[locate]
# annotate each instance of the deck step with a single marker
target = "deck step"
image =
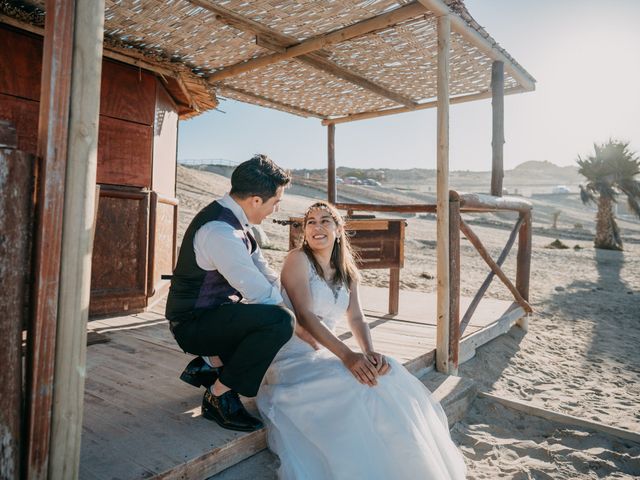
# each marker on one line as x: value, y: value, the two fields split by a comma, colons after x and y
x: 455, y: 394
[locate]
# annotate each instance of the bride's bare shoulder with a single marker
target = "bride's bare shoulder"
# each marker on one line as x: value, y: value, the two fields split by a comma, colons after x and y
x: 296, y: 259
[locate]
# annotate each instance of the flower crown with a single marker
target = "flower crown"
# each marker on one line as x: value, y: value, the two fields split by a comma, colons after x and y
x: 326, y: 207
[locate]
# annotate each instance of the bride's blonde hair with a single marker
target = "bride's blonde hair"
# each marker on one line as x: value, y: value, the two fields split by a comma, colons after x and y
x: 342, y: 255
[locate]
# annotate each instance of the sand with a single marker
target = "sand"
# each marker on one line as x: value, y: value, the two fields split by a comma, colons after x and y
x: 581, y: 355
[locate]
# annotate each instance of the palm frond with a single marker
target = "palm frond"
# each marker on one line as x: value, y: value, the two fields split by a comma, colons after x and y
x: 631, y: 188
x: 586, y: 195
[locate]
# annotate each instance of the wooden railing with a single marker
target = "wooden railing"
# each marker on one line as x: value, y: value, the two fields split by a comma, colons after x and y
x: 469, y: 203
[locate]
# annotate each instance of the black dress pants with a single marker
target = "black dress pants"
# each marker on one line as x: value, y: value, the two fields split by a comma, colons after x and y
x: 246, y: 337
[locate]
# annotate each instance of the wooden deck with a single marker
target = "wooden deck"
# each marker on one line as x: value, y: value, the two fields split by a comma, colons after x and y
x: 141, y: 421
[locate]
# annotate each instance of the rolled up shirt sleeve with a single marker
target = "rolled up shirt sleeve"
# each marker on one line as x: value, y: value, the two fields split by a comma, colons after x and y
x: 218, y: 246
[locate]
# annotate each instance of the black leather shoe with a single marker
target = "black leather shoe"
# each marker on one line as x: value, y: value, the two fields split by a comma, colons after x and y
x: 198, y: 373
x: 228, y: 412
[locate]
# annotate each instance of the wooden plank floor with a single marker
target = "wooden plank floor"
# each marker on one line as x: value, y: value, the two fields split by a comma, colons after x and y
x: 141, y: 421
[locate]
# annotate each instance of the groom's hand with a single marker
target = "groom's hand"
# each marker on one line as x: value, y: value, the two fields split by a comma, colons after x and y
x: 304, y: 335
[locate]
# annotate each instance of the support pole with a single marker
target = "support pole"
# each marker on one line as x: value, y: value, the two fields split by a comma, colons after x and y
x: 454, y: 285
x: 77, y: 241
x: 497, y: 140
x: 442, y: 334
x: 52, y: 157
x: 523, y: 268
x: 331, y: 164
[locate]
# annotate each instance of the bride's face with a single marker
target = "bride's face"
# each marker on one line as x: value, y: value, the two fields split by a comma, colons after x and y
x: 321, y: 230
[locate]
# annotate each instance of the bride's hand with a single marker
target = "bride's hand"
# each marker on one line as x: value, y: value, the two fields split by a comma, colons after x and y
x: 361, y: 368
x: 306, y: 336
x: 380, y: 362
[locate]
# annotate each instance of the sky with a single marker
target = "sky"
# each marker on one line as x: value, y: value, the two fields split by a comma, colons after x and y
x: 584, y: 55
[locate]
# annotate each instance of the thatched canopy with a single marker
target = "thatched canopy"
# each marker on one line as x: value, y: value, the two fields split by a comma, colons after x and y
x: 382, y: 54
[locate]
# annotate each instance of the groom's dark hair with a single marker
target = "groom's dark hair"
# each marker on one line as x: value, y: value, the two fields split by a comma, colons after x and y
x: 258, y: 176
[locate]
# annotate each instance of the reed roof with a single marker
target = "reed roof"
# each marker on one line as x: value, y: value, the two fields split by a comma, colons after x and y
x: 394, y: 65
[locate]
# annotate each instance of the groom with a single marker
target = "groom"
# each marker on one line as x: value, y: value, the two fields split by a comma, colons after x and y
x: 224, y: 303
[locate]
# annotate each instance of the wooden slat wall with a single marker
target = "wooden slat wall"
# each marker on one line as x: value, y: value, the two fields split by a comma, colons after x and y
x: 127, y: 93
x: 136, y: 148
x: 16, y: 212
x: 20, y: 64
x: 24, y: 115
x: 127, y: 109
x: 124, y: 153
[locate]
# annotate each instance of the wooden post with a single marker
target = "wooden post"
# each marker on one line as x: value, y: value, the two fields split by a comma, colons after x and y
x: 52, y: 154
x: 394, y: 290
x: 77, y: 241
x: 454, y: 285
x: 442, y: 334
x: 497, y: 141
x: 331, y: 164
x: 16, y: 212
x: 523, y: 269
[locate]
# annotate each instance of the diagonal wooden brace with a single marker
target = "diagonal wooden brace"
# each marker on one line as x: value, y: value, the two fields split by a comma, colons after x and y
x: 475, y: 241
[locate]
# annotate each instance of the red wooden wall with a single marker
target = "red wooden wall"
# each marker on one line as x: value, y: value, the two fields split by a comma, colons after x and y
x: 136, y: 156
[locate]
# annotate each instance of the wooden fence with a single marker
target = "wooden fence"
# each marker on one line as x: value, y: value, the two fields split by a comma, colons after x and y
x: 473, y: 203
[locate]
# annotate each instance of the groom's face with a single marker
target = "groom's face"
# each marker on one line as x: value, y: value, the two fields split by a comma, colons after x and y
x: 261, y: 209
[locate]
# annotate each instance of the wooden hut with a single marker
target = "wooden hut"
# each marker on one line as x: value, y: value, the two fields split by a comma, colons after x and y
x: 93, y: 92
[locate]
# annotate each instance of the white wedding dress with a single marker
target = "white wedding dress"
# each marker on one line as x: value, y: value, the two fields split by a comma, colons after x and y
x: 324, y: 424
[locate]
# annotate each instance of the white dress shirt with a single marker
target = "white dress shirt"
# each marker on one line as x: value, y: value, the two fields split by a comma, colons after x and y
x: 219, y: 246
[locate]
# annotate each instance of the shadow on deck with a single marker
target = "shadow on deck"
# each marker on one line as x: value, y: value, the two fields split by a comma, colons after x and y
x: 141, y: 421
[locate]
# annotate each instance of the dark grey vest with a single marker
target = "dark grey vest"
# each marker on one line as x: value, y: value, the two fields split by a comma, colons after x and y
x: 191, y: 286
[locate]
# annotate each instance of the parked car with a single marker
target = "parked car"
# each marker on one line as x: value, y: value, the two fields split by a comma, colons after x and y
x: 371, y: 182
x: 560, y: 189
x: 352, y: 181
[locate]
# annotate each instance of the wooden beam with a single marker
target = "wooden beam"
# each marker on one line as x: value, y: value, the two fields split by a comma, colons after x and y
x: 331, y: 164
x: 280, y: 105
x: 340, y: 35
x: 575, y: 422
x: 421, y: 106
x: 327, y: 66
x: 373, y: 207
x: 475, y: 241
x: 442, y: 228
x: 497, y: 140
x: 55, y: 96
x: 279, y: 41
x: 460, y: 26
x: 479, y: 202
x: 77, y: 241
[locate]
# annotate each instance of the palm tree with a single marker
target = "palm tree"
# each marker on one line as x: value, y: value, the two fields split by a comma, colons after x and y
x: 609, y: 173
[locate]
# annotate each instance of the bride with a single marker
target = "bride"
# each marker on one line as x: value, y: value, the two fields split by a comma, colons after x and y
x: 334, y: 413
